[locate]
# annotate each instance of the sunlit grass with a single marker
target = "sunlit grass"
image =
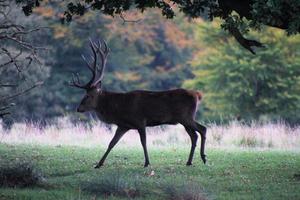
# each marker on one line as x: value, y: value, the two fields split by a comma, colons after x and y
x: 229, y: 174
x: 257, y: 161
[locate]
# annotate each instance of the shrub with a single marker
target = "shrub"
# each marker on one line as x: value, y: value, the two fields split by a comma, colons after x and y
x: 19, y: 175
x: 187, y: 191
x: 113, y: 185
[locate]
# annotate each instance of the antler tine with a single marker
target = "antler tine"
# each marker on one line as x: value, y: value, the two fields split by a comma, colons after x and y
x: 87, y: 62
x: 106, y: 52
x: 95, y: 46
x: 93, y: 66
x: 99, y: 44
x: 106, y: 48
x: 103, y: 55
x: 76, y: 82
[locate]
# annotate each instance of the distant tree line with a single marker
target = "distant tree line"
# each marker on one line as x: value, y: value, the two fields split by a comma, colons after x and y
x: 158, y: 54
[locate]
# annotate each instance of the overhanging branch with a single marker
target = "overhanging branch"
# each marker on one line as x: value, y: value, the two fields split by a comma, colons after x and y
x: 246, y: 43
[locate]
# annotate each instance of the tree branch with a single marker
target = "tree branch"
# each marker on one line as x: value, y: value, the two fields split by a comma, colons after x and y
x: 246, y: 43
x: 128, y: 21
x: 22, y: 92
x: 16, y: 51
x: 8, y: 85
x: 3, y: 114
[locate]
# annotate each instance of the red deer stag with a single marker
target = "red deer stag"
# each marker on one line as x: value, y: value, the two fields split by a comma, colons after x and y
x: 138, y: 109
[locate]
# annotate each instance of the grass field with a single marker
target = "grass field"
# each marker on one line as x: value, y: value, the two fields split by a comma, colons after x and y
x: 257, y: 161
x: 230, y: 174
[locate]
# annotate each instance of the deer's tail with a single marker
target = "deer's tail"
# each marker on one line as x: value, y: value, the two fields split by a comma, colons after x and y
x: 199, y: 95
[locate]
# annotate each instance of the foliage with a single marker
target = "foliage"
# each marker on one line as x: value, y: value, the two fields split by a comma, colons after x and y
x: 271, y: 12
x: 277, y: 13
x: 239, y: 85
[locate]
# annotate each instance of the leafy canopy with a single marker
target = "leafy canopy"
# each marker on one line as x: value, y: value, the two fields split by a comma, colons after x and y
x: 238, y: 84
x: 284, y: 14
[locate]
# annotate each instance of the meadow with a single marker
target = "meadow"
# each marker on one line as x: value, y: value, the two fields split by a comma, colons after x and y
x: 256, y: 161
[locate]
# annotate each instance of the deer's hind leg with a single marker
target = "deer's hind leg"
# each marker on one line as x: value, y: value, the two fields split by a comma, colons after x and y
x: 119, y: 133
x: 194, y: 137
x: 202, y: 130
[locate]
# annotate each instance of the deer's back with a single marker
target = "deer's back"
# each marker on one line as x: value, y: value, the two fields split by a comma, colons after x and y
x: 150, y: 108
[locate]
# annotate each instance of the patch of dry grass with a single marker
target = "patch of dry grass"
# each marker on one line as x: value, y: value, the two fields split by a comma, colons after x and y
x: 268, y: 135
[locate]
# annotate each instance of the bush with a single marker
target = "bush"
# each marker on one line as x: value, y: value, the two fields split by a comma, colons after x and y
x: 19, y: 175
x: 187, y: 191
x: 113, y: 185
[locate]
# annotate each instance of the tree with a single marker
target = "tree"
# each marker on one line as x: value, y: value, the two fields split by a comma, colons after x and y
x: 237, y: 84
x: 17, y: 54
x: 237, y: 15
x: 148, y: 55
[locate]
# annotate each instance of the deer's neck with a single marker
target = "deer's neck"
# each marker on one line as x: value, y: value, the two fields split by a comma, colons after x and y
x: 104, y: 106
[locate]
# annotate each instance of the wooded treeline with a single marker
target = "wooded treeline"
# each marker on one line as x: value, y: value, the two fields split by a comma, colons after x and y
x: 158, y: 54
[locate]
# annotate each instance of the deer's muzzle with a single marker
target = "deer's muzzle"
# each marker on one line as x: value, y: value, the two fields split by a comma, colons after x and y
x: 80, y: 110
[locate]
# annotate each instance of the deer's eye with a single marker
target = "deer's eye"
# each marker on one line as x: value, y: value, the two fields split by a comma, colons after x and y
x: 86, y: 97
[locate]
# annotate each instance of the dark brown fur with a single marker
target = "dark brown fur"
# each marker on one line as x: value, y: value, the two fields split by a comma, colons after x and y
x: 139, y: 109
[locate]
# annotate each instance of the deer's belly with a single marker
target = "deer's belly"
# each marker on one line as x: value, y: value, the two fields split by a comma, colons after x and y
x: 117, y: 121
x: 160, y: 121
x: 153, y: 123
x: 104, y: 118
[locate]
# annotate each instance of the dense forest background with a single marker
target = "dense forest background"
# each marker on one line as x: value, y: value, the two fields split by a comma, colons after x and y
x: 155, y: 53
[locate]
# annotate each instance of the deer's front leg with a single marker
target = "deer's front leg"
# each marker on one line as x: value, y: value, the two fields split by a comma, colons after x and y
x: 119, y: 133
x: 142, y: 133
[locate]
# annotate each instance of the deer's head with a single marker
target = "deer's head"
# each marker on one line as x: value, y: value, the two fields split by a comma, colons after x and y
x: 93, y: 87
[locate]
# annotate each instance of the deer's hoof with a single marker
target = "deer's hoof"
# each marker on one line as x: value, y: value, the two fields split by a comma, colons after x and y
x: 98, y: 166
x: 203, y: 157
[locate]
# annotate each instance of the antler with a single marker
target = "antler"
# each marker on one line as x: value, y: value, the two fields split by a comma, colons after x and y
x: 96, y: 69
x: 103, y: 52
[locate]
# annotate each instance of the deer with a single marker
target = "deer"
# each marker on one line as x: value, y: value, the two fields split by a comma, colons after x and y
x: 137, y: 109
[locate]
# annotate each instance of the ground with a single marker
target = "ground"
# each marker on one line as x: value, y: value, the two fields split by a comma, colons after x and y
x: 229, y: 173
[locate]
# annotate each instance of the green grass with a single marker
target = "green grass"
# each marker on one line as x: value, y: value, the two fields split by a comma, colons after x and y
x: 229, y: 174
